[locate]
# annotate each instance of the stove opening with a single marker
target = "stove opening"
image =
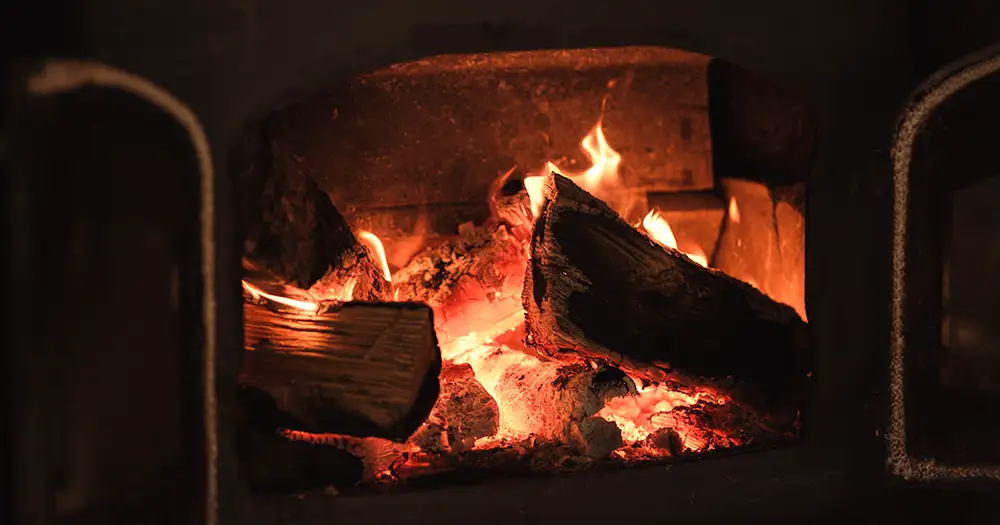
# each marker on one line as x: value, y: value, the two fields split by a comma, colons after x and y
x: 522, y: 263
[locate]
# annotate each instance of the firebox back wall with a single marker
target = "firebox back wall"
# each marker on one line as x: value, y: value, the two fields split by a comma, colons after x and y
x: 434, y: 134
x: 439, y: 132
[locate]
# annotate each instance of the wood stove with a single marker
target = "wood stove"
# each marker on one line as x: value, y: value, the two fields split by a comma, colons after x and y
x: 130, y: 313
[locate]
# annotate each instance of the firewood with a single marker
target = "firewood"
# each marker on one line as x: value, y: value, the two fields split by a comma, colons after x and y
x: 273, y: 463
x: 695, y: 218
x: 378, y: 456
x: 563, y: 400
x: 365, y: 369
x: 296, y: 236
x: 763, y: 241
x: 597, y: 288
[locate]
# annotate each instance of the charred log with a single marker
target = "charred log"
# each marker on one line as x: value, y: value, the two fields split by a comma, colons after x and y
x: 294, y: 233
x: 465, y: 412
x: 271, y: 462
x: 364, y: 369
x: 564, y: 399
x: 379, y: 457
x: 473, y: 281
x: 597, y: 288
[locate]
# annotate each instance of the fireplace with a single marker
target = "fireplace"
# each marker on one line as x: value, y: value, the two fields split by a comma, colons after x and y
x: 643, y: 303
x: 447, y: 135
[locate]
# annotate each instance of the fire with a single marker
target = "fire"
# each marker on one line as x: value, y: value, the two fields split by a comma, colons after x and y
x: 307, y: 306
x: 634, y: 415
x: 374, y: 245
x: 600, y: 179
x: 659, y: 230
x: 477, y: 331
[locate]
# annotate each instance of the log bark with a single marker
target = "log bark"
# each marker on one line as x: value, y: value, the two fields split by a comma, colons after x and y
x: 597, y: 288
x: 364, y: 369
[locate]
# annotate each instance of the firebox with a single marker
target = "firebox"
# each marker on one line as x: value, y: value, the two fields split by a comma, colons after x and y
x: 490, y: 301
x: 501, y: 262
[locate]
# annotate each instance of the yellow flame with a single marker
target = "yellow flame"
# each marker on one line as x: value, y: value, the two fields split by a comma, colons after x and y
x: 734, y: 210
x: 294, y: 303
x: 602, y: 173
x: 659, y: 230
x: 374, y: 245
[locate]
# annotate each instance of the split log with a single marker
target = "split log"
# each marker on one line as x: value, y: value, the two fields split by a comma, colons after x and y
x: 557, y: 403
x: 763, y: 241
x: 272, y: 462
x: 597, y: 288
x: 379, y: 457
x: 295, y: 235
x: 790, y: 222
x: 364, y: 369
x: 705, y: 426
x: 465, y: 412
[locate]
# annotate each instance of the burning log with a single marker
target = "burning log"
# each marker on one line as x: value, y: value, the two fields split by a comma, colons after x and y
x: 465, y: 412
x: 272, y: 462
x: 597, y: 288
x: 563, y: 401
x: 296, y: 236
x: 363, y: 369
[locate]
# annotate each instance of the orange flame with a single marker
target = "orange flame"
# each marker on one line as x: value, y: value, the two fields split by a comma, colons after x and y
x: 374, y: 245
x: 307, y: 306
x: 734, y: 210
x: 600, y: 179
x: 659, y: 230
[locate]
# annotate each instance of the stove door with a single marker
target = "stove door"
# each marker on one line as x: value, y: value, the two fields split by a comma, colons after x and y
x: 104, y: 302
x: 945, y: 366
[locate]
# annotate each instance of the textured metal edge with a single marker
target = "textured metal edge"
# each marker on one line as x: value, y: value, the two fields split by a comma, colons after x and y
x: 928, y: 99
x: 61, y: 76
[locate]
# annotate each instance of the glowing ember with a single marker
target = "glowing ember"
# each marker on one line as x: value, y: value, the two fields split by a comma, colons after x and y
x: 374, y: 245
x: 482, y: 326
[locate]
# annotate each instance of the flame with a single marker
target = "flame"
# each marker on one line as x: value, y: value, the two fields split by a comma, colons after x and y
x: 734, y: 210
x: 374, y: 245
x: 486, y: 330
x: 600, y: 179
x: 659, y: 230
x: 257, y: 293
